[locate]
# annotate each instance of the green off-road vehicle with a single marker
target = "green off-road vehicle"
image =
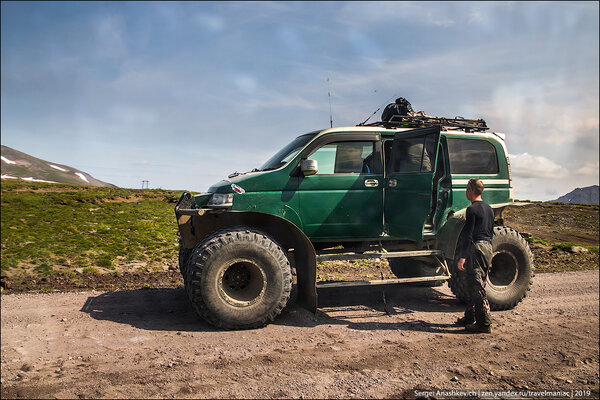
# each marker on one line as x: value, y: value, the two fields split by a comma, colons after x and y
x: 392, y: 190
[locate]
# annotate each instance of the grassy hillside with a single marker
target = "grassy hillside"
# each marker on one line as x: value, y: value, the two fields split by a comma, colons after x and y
x: 65, y: 237
x: 53, y: 227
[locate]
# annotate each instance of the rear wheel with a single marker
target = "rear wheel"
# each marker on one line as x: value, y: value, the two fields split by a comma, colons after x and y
x: 512, y: 271
x: 238, y: 278
x: 510, y: 276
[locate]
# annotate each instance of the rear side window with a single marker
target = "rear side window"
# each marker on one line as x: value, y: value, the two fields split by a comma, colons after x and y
x: 470, y: 156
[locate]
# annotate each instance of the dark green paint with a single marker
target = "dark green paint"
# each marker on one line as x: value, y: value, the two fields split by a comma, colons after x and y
x: 340, y: 206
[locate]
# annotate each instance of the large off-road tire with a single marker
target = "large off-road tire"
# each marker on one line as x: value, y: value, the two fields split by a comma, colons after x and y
x: 406, y: 267
x: 184, y: 258
x: 238, y: 278
x: 511, y: 274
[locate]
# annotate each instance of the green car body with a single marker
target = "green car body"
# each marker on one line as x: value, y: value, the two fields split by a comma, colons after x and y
x: 340, y: 207
x: 408, y: 193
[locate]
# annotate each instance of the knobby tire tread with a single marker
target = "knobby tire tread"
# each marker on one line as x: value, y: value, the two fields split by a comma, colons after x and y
x: 458, y: 282
x: 209, y: 247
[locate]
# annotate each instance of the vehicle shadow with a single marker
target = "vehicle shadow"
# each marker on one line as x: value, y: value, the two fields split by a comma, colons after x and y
x: 168, y: 309
x: 353, y: 307
x: 163, y: 309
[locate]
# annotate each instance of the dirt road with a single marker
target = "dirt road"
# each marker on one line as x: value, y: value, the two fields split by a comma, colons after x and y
x: 149, y: 343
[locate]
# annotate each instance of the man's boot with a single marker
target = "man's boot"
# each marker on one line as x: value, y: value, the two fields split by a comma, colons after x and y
x: 464, y: 321
x: 476, y: 328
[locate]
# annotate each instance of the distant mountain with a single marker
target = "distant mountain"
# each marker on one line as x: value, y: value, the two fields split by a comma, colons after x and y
x: 18, y: 165
x: 586, y: 195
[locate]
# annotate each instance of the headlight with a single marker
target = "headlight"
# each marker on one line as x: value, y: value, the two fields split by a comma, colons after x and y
x: 221, y: 200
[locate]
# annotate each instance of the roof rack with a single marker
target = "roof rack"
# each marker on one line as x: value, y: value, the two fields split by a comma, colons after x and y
x: 418, y: 121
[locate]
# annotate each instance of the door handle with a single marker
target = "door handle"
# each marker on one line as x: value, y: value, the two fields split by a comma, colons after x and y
x: 371, y: 182
x: 392, y: 182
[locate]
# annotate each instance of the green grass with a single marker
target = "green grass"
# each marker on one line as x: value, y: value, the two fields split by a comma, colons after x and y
x: 564, y: 246
x: 46, y: 227
x: 536, y: 240
x: 59, y: 229
x: 43, y: 269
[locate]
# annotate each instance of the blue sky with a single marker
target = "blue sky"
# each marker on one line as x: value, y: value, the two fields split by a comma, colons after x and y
x: 182, y: 94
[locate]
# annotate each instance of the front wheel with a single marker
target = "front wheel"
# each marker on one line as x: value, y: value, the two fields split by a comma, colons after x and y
x: 510, y: 276
x: 238, y: 278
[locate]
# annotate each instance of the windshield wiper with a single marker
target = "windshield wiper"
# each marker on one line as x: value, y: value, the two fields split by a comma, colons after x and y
x: 244, y: 173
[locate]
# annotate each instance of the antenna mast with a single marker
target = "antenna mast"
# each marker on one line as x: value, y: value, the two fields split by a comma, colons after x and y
x: 329, y: 95
x: 375, y: 112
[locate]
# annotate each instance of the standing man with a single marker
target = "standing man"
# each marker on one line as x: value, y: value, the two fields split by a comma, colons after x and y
x: 475, y: 252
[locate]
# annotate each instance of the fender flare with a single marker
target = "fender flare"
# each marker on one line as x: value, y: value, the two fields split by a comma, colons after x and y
x: 194, y: 228
x: 450, y: 232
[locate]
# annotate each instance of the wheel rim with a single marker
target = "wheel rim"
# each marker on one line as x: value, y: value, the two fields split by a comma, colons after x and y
x: 242, y: 283
x: 504, y: 271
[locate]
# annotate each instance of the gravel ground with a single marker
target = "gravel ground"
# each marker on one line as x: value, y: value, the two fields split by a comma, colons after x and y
x: 149, y: 344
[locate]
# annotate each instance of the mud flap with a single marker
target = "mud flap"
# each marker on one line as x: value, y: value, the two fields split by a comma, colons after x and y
x: 306, y: 273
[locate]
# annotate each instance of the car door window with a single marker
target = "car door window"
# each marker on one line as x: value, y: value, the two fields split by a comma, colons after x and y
x: 414, y: 154
x: 344, y: 158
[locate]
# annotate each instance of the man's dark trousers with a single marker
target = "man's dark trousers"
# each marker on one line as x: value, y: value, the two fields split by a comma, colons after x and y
x: 477, y: 267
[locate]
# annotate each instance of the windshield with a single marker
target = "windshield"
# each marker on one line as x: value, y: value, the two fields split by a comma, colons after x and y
x: 288, y: 152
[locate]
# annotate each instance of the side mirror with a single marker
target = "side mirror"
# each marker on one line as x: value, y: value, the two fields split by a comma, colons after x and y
x: 309, y: 167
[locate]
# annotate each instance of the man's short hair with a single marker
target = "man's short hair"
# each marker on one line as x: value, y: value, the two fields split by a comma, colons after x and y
x: 476, y: 186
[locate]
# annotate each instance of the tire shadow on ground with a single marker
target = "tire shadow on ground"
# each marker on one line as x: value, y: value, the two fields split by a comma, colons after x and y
x: 164, y: 309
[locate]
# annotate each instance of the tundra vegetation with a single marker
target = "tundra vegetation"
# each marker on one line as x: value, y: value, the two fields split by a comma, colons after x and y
x: 64, y: 237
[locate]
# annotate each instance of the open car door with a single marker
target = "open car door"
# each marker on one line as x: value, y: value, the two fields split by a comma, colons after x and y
x: 409, y: 182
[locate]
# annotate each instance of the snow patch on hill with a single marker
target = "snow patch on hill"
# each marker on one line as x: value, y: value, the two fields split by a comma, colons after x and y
x: 6, y: 160
x: 80, y: 175
x: 58, y: 168
x: 30, y: 179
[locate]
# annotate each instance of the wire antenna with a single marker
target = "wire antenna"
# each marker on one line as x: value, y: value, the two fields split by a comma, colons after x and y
x: 329, y: 95
x: 375, y: 112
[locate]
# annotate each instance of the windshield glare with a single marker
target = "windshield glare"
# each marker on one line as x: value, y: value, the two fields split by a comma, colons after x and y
x: 288, y: 152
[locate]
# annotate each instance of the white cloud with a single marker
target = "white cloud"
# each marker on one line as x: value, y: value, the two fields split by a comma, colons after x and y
x: 132, y: 81
x: 529, y: 166
x: 590, y: 168
x: 108, y: 29
x: 213, y: 23
x: 279, y: 99
x: 536, y: 110
x: 414, y: 12
x: 245, y: 83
